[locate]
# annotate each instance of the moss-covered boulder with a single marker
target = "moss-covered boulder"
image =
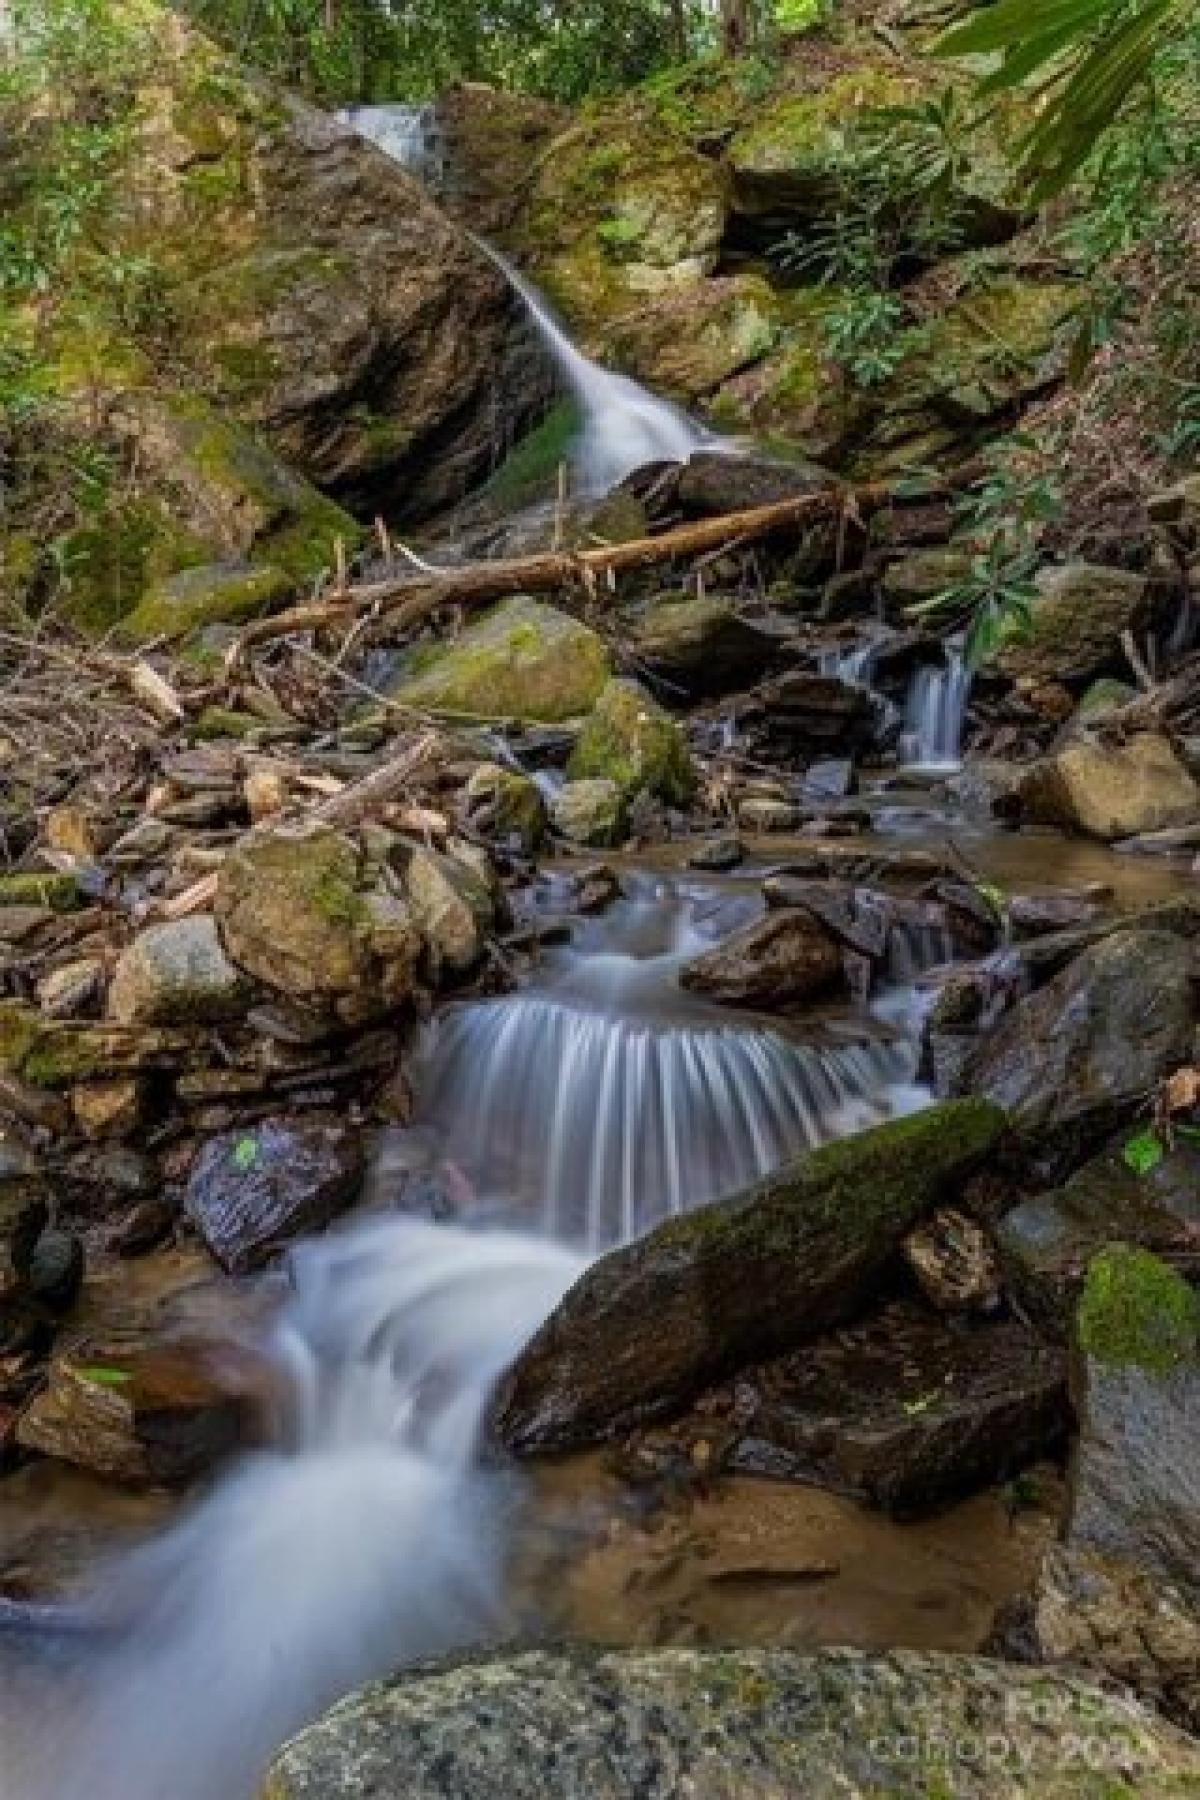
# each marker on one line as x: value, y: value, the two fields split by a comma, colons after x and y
x: 689, y: 342
x: 702, y: 645
x: 312, y: 917
x: 1136, y: 1478
x: 522, y: 660
x: 746, y: 1278
x: 746, y: 1724
x: 213, y: 594
x: 505, y: 806
x: 632, y: 741
x: 622, y: 208
x: 592, y: 812
x: 494, y: 139
x: 1076, y: 624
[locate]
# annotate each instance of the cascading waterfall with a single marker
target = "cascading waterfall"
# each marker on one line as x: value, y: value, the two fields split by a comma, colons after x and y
x: 410, y: 135
x: 622, y: 425
x: 935, y: 711
x: 372, y: 1532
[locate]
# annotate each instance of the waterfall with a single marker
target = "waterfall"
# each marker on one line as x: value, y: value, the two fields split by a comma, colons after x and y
x: 410, y: 135
x: 372, y: 1532
x: 934, y: 713
x: 623, y: 426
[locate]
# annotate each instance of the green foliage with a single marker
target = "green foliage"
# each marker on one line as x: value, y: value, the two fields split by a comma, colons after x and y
x: 1003, y: 515
x: 1083, y: 59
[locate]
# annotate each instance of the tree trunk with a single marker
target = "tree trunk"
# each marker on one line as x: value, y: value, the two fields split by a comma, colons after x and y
x: 736, y: 21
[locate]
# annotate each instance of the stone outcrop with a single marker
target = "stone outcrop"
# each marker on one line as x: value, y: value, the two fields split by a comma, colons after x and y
x: 1111, y: 791
x: 732, y: 1283
x: 733, y: 1725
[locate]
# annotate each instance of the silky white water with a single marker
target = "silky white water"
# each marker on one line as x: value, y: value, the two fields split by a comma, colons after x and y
x: 371, y: 1532
x: 934, y: 713
x: 410, y: 135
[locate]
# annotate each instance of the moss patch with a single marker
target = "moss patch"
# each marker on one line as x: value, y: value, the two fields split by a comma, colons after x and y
x: 216, y: 594
x: 522, y: 660
x: 1136, y: 1312
x: 59, y: 892
x: 630, y: 741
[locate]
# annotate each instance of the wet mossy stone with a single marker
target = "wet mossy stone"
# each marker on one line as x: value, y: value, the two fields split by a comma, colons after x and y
x: 214, y: 594
x: 631, y: 741
x: 522, y: 660
x: 1135, y: 1312
x: 749, y: 1277
x: 61, y: 893
x: 740, y: 1724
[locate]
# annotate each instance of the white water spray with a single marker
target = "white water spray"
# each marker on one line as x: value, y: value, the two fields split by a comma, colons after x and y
x: 934, y: 713
x: 410, y: 135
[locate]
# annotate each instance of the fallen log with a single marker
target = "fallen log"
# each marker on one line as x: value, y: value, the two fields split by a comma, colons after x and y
x: 405, y: 600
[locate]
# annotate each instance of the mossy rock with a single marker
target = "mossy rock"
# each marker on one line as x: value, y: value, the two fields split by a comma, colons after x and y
x: 1136, y: 1312
x: 108, y: 563
x: 631, y: 741
x: 522, y: 660
x: 52, y: 1053
x: 687, y: 344
x: 216, y: 594
x: 620, y: 209
x: 593, y: 812
x: 1076, y: 624
x: 795, y: 394
x: 61, y: 893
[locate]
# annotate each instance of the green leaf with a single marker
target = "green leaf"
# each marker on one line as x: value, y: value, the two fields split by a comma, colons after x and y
x: 104, y: 1375
x: 245, y: 1154
x: 1143, y: 1152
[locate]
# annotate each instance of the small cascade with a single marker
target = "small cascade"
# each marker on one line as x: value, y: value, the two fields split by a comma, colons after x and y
x: 623, y: 425
x: 934, y: 713
x: 411, y: 135
x: 369, y: 1536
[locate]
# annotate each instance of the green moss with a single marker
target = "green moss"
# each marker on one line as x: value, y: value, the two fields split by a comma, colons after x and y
x: 224, y: 722
x: 107, y: 563
x: 822, y: 140
x: 521, y: 660
x: 631, y: 741
x: 1136, y: 1312
x: 214, y: 594
x: 59, y: 892
x: 530, y: 470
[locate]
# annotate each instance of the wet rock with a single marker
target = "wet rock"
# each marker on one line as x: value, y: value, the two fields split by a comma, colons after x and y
x: 717, y: 855
x: 55, y: 1273
x: 1070, y: 1062
x: 714, y: 484
x: 749, y: 1277
x: 904, y: 1411
x: 313, y: 918
x: 506, y: 807
x: 1076, y: 623
x: 494, y: 140
x: 1111, y: 792
x: 522, y: 660
x: 1048, y: 1241
x: 764, y: 816
x: 777, y: 961
x: 176, y: 974
x: 954, y: 1263
x: 702, y: 647
x: 592, y: 813
x: 251, y: 1192
x: 1172, y: 842
x: 1135, y: 1477
x: 143, y: 1415
x: 452, y: 908
x: 816, y: 714
x: 1104, y: 1615
x: 744, y: 1724
x: 630, y: 740
x: 24, y: 1207
x: 830, y: 779
x: 1032, y: 915
x: 109, y: 1109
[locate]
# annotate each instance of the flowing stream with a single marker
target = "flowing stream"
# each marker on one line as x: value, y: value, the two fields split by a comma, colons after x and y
x: 371, y: 1531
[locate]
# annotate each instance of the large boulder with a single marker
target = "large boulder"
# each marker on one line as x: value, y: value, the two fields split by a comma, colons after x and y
x: 1072, y: 1061
x: 312, y: 917
x: 743, y: 1724
x: 735, y: 1282
x: 688, y: 343
x: 522, y: 660
x: 1076, y: 623
x: 631, y: 740
x: 1111, y: 791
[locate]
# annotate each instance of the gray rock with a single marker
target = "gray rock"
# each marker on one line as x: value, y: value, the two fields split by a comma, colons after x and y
x: 176, y: 974
x: 1111, y: 792
x: 786, y: 957
x: 452, y: 908
x: 747, y: 1278
x: 250, y: 1192
x: 734, y: 1725
x: 591, y: 812
x: 1072, y: 1061
x: 703, y: 646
